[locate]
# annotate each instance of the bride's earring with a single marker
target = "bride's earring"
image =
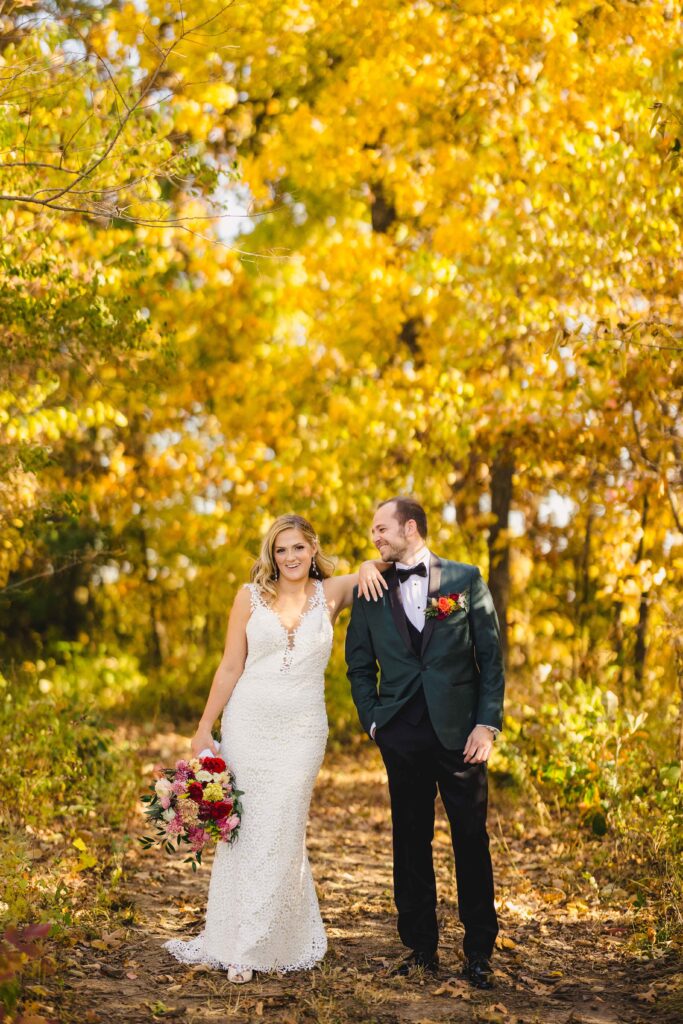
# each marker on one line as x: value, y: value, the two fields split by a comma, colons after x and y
x: 315, y: 571
x: 276, y: 574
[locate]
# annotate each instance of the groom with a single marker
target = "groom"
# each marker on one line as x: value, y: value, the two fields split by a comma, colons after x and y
x: 434, y: 717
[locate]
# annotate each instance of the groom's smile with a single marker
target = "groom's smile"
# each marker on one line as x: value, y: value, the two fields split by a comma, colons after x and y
x: 394, y: 541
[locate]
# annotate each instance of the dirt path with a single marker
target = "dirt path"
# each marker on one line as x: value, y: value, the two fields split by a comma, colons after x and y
x: 562, y: 957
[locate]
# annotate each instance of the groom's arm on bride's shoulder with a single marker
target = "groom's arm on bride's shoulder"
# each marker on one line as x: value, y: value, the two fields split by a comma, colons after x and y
x: 229, y: 670
x: 489, y: 653
x: 361, y: 664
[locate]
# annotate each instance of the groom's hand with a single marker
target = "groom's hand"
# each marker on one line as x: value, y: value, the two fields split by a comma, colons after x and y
x: 478, y: 746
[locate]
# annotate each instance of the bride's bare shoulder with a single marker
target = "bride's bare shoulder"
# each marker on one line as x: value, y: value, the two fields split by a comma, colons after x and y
x: 243, y: 599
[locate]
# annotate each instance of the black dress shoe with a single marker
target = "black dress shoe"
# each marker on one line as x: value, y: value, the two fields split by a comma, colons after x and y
x: 427, y: 961
x: 478, y: 972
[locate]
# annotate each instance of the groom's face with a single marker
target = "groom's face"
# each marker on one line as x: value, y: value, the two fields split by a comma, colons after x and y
x: 388, y: 536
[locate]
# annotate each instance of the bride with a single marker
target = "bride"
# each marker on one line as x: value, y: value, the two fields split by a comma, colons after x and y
x: 262, y: 912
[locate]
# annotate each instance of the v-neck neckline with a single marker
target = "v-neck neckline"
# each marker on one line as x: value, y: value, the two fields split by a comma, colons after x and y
x: 310, y: 604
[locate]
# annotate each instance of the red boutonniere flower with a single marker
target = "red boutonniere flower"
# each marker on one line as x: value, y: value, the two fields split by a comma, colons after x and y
x: 442, y: 607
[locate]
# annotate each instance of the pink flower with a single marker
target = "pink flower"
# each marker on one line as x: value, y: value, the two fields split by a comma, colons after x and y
x: 228, y: 825
x: 174, y: 827
x: 182, y: 770
x: 178, y: 786
x: 198, y: 838
x: 165, y: 802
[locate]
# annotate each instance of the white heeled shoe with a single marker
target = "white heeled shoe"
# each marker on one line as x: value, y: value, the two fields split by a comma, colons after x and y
x: 239, y: 977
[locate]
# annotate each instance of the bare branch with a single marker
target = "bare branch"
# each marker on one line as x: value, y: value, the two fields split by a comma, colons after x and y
x: 145, y: 91
x: 35, y: 163
x: 670, y: 493
x: 20, y: 584
x: 104, y: 64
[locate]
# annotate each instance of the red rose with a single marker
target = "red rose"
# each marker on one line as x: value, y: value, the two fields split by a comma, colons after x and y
x: 213, y: 764
x: 221, y: 809
x: 454, y: 597
x: 196, y: 791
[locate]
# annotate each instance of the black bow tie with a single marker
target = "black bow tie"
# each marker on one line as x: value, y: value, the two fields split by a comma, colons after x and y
x: 415, y: 570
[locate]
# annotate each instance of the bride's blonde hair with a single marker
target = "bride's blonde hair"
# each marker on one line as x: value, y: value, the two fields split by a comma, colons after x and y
x: 264, y: 571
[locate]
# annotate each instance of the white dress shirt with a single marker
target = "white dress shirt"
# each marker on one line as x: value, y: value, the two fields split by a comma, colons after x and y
x: 414, y: 590
x: 414, y: 593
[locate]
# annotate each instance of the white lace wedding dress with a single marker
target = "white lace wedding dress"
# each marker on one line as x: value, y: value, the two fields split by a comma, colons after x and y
x: 262, y: 910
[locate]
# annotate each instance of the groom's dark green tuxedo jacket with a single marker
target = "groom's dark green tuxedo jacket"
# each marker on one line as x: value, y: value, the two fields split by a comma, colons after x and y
x: 459, y: 666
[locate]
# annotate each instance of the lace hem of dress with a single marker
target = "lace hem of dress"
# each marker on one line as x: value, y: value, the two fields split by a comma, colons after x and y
x: 191, y: 952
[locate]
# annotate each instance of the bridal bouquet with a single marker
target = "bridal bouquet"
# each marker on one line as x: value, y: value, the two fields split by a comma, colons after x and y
x: 193, y: 803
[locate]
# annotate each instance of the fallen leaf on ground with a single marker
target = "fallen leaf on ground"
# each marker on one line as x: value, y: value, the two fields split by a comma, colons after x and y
x: 648, y: 996
x: 496, y: 1013
x: 454, y: 988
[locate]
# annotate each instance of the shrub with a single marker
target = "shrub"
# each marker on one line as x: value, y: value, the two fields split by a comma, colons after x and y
x: 69, y: 784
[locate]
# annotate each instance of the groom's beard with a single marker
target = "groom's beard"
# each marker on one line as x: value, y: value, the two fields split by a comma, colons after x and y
x: 393, y: 555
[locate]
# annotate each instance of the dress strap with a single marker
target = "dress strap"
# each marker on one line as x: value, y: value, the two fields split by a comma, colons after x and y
x: 257, y: 601
x: 255, y: 596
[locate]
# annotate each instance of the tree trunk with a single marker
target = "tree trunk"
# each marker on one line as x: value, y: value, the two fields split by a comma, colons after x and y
x: 678, y: 650
x: 640, y: 650
x: 155, y: 638
x: 498, y: 542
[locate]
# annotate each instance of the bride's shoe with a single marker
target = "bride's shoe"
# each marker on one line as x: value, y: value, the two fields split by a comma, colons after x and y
x: 239, y: 977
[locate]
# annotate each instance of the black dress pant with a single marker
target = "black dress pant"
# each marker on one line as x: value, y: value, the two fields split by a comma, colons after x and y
x: 417, y: 763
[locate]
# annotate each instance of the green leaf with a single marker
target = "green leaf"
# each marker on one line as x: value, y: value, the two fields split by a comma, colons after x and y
x: 599, y: 824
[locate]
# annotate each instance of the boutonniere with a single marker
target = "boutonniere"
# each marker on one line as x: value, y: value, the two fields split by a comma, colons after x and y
x: 442, y: 607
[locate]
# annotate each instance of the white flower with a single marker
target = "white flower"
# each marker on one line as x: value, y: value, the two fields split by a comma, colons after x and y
x: 168, y: 815
x: 203, y: 776
x: 162, y: 787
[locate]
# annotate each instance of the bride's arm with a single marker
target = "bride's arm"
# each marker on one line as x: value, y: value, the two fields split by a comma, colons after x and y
x: 371, y: 584
x: 228, y: 672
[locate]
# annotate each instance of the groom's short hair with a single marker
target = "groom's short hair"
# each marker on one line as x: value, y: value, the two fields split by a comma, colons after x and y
x: 408, y: 508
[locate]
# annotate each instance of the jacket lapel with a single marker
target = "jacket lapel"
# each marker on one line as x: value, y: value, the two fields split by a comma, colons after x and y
x: 434, y: 585
x: 397, y: 610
